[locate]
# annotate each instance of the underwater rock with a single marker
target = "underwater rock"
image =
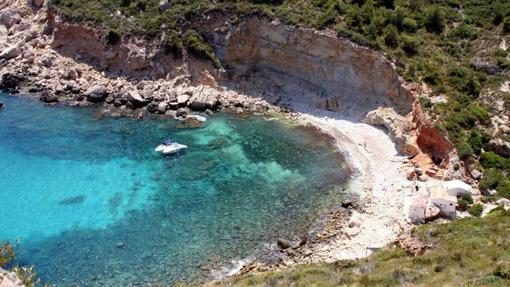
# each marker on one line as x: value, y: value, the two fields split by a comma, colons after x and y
x: 73, y: 200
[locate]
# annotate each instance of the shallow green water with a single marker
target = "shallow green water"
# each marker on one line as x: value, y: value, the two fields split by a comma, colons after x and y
x: 91, y: 204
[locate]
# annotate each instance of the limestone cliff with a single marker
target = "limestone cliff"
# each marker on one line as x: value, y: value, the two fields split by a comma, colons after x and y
x: 342, y: 72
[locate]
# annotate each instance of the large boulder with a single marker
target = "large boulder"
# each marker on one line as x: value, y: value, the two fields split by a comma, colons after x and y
x: 499, y: 147
x: 48, y: 98
x: 444, y: 201
x: 135, y: 98
x: 162, y: 107
x: 182, y: 100
x: 11, y: 52
x: 152, y: 107
x: 9, y: 18
x: 417, y: 208
x: 96, y: 94
x: 204, y: 99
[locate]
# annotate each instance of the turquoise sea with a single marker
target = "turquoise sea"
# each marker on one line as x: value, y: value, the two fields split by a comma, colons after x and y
x: 90, y: 203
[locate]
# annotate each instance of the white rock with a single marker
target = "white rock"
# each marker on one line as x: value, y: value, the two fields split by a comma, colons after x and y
x: 455, y: 187
x: 444, y: 201
x: 162, y: 107
x: 431, y: 211
x: 416, y: 212
x: 164, y: 5
x: 182, y: 99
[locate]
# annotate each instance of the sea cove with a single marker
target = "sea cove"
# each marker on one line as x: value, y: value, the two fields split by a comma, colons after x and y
x: 90, y: 203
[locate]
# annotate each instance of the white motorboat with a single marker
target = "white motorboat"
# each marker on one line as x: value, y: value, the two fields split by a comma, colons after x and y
x: 170, y: 147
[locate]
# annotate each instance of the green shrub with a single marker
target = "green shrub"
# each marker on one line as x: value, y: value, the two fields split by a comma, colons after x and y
x: 435, y: 20
x: 199, y: 48
x: 506, y: 25
x: 503, y: 188
x: 464, y: 150
x: 425, y: 102
x: 326, y: 18
x: 475, y: 141
x: 491, y: 179
x: 391, y: 36
x: 6, y: 254
x: 480, y: 113
x: 455, y: 131
x: 463, y: 80
x: 410, y: 45
x: 492, y: 160
x: 464, y: 119
x: 410, y: 25
x: 464, y: 31
x: 476, y: 210
x: 464, y: 201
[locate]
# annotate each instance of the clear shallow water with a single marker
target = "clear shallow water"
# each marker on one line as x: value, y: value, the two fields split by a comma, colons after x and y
x: 91, y: 204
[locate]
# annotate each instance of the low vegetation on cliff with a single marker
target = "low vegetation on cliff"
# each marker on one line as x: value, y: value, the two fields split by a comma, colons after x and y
x: 467, y: 252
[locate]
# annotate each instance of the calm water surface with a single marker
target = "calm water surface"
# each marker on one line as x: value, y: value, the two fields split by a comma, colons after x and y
x: 91, y: 204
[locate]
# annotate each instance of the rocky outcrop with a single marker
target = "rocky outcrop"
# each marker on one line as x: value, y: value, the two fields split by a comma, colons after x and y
x: 96, y: 94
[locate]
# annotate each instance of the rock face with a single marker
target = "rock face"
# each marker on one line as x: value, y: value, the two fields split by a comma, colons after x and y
x: 96, y: 94
x: 341, y: 71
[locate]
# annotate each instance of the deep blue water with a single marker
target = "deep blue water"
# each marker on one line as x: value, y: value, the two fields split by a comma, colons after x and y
x: 91, y: 204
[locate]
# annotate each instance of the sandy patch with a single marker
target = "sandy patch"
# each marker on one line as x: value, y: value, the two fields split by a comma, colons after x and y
x: 385, y: 191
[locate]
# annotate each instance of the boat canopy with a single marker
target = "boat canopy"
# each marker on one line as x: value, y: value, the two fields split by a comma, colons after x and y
x: 168, y: 142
